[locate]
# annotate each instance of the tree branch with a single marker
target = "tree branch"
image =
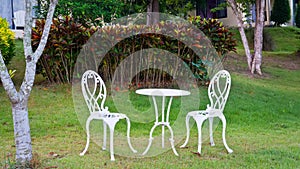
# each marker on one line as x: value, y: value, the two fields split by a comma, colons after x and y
x: 28, y: 29
x: 8, y: 84
x: 32, y: 58
x: 43, y: 42
x: 239, y: 18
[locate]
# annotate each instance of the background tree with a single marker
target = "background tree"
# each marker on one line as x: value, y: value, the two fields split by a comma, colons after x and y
x: 297, y: 18
x: 179, y: 7
x: 87, y: 11
x: 238, y: 11
x: 239, y: 7
x: 258, y: 36
x: 281, y: 12
x: 19, y: 99
x: 153, y: 10
x: 174, y: 7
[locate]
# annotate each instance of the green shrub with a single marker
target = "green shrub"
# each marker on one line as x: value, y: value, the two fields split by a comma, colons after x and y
x: 297, y: 18
x: 7, y: 43
x: 222, y: 41
x: 221, y: 38
x: 67, y: 37
x: 130, y: 45
x: 64, y: 43
x: 281, y: 12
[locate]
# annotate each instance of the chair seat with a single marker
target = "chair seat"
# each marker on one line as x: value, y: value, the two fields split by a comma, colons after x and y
x: 101, y: 115
x: 198, y: 113
x: 206, y: 113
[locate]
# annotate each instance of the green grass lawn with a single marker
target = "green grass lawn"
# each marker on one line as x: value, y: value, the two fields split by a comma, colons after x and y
x: 286, y: 40
x: 263, y: 127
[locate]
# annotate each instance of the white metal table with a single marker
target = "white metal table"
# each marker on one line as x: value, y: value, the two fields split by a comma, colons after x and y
x: 158, y: 92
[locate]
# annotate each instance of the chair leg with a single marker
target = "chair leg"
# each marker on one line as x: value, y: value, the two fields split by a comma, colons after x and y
x: 87, y: 125
x: 223, y: 119
x: 111, y: 124
x: 104, y: 135
x: 187, y: 119
x: 211, y: 121
x: 128, y: 135
x: 199, y: 122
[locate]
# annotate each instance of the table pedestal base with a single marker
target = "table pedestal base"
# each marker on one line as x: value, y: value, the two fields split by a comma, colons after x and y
x: 171, y: 139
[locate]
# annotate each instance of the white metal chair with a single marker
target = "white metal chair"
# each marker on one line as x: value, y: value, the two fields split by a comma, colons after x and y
x: 218, y: 92
x: 94, y: 90
x: 19, y: 18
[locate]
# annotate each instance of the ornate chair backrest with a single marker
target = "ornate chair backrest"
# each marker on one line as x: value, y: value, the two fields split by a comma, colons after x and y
x: 218, y: 89
x: 93, y: 90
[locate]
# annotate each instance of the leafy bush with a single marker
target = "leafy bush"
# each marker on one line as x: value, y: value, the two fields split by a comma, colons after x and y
x: 65, y: 40
x: 7, y: 44
x: 179, y: 46
x: 159, y: 40
x: 67, y: 37
x: 297, y: 18
x: 221, y: 38
x: 281, y: 12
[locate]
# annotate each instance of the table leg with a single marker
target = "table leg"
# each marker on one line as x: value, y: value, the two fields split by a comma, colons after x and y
x: 172, y: 140
x: 151, y: 138
x: 168, y: 125
x: 163, y: 123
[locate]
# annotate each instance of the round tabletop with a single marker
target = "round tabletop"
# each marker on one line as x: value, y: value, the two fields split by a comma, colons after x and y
x: 162, y: 92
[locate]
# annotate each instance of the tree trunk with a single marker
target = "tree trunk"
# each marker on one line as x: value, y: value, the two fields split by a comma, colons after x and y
x: 19, y: 100
x: 22, y: 132
x: 258, y: 36
x: 153, y: 12
x: 239, y: 19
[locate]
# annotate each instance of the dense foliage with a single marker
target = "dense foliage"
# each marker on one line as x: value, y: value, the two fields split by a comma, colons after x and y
x: 221, y: 38
x: 87, y: 11
x: 7, y: 44
x: 63, y: 46
x: 104, y: 11
x: 67, y: 37
x: 281, y: 12
x: 297, y: 18
x: 180, y: 46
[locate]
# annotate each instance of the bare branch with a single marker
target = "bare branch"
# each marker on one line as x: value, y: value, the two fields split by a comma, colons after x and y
x: 8, y: 84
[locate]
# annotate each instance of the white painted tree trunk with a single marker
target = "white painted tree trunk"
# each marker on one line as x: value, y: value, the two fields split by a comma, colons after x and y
x: 19, y: 100
x: 258, y: 36
x: 239, y: 19
x: 22, y: 132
